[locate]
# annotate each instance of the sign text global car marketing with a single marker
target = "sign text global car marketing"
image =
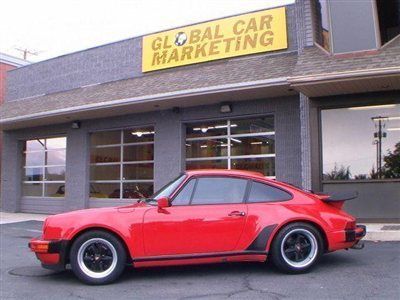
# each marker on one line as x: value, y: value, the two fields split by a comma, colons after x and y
x: 256, y: 32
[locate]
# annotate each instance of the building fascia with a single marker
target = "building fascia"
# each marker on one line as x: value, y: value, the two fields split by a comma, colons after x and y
x: 273, y: 82
x: 13, y: 61
x: 315, y: 78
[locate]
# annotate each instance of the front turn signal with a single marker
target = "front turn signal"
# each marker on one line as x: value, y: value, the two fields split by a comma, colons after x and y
x: 39, y: 247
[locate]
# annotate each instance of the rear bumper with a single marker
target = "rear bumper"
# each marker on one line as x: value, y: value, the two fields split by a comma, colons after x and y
x: 345, y: 239
x: 356, y: 234
x: 52, y: 254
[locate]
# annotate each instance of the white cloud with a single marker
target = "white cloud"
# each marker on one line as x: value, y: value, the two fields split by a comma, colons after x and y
x: 57, y: 27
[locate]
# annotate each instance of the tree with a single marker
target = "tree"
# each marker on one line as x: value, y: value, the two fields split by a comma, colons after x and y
x: 391, y: 169
x: 374, y: 173
x: 341, y: 173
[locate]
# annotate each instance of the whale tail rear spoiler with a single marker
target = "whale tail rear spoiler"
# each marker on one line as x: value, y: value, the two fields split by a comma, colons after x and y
x: 337, y: 199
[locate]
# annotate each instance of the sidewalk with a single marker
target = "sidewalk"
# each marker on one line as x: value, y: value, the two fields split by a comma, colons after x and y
x: 6, y: 217
x: 375, y: 231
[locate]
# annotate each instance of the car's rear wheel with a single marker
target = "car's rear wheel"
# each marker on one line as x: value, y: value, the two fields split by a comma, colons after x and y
x: 97, y: 257
x: 297, y: 248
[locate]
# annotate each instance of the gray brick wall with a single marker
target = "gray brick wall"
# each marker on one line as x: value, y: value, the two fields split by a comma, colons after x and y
x: 305, y: 23
x: 169, y: 158
x: 110, y: 62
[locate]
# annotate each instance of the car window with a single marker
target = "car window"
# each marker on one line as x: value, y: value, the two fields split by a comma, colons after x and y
x: 219, y: 190
x: 261, y: 192
x: 168, y: 189
x: 184, y: 195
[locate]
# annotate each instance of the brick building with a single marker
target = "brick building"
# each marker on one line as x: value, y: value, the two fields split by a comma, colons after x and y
x: 308, y: 93
x: 7, y: 63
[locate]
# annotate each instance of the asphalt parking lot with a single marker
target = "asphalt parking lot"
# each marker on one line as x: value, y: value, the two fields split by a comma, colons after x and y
x: 373, y: 272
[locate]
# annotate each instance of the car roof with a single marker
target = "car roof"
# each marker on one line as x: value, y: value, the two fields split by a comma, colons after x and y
x: 225, y: 172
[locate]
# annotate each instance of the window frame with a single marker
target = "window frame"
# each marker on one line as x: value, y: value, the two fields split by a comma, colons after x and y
x: 270, y: 185
x: 197, y: 177
x: 181, y: 187
x: 121, y: 145
x: 323, y: 106
x: 43, y: 166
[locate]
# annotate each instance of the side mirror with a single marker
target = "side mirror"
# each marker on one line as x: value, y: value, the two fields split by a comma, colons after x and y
x: 163, y: 202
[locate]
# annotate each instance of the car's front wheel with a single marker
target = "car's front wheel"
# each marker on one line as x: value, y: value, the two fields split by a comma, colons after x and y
x: 296, y: 248
x: 97, y: 257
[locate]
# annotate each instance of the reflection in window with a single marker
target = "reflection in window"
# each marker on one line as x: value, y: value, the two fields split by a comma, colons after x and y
x: 322, y: 24
x: 261, y: 192
x: 185, y: 195
x: 389, y: 19
x: 122, y: 163
x: 216, y: 190
x: 44, y: 167
x: 361, y: 142
x: 247, y: 144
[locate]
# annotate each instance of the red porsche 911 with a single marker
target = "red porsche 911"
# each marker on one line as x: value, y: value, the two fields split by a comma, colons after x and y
x: 204, y: 216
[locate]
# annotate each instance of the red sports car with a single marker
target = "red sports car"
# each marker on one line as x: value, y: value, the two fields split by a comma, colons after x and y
x: 205, y: 216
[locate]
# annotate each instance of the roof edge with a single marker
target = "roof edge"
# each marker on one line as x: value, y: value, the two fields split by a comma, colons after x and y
x: 309, y: 79
x: 12, y: 60
x: 151, y: 98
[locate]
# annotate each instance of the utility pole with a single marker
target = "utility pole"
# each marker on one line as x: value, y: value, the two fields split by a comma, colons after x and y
x: 378, y: 135
x: 26, y: 51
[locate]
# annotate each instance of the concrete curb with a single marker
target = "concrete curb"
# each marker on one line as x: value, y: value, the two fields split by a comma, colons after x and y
x: 375, y: 233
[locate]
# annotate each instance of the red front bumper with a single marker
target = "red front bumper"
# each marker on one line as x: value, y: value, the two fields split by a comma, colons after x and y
x: 50, y: 253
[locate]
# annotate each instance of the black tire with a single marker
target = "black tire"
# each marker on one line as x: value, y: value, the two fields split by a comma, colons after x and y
x: 289, y: 250
x: 97, y: 257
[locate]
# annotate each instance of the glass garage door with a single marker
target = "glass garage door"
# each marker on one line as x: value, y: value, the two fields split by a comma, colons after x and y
x: 245, y: 144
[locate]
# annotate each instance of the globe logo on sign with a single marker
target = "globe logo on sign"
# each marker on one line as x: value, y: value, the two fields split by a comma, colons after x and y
x: 180, y: 38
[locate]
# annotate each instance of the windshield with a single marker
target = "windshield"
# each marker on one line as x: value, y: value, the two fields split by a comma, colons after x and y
x: 168, y: 189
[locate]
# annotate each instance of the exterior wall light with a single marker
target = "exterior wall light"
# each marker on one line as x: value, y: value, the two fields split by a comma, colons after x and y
x: 225, y: 108
x: 76, y: 125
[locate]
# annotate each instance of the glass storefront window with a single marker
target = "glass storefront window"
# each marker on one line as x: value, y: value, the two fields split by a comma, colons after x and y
x: 138, y: 135
x: 207, y: 164
x: 261, y: 165
x: 44, y: 167
x: 139, y: 152
x: 138, y: 171
x: 257, y: 145
x: 247, y: 144
x: 252, y: 125
x: 105, y: 154
x: 205, y: 129
x: 361, y: 142
x: 122, y: 168
x: 106, y: 138
x: 207, y: 148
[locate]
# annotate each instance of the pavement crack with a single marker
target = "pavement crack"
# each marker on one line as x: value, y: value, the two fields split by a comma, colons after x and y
x: 73, y: 295
x: 249, y: 287
x: 205, y: 296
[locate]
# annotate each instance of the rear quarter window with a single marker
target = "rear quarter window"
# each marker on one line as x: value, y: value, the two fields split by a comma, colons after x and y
x: 261, y: 192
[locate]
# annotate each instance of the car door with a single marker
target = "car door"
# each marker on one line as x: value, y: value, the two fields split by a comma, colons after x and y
x: 207, y: 216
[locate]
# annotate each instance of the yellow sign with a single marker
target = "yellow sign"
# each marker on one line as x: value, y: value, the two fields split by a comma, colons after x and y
x: 241, y: 35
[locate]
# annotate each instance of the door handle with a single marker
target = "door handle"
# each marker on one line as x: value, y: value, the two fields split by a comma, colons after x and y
x: 237, y: 213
